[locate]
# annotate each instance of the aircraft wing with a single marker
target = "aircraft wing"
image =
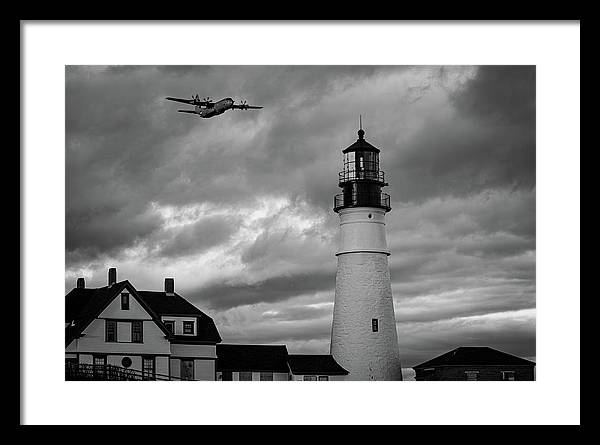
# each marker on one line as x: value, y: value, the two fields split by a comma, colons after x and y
x: 187, y: 111
x: 201, y: 103
x: 245, y: 107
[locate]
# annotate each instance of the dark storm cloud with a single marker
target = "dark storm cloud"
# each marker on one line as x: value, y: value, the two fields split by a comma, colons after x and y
x: 488, y: 143
x: 281, y: 288
x: 501, y: 94
x: 104, y: 229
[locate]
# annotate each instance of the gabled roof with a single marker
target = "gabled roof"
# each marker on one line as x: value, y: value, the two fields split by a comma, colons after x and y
x: 314, y: 364
x: 475, y: 356
x: 256, y: 358
x: 82, y: 305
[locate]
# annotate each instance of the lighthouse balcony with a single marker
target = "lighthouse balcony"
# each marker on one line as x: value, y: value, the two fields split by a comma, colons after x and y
x: 361, y: 199
x: 354, y: 175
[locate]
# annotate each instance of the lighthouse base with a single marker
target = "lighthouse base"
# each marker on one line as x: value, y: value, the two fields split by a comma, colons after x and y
x: 363, y: 337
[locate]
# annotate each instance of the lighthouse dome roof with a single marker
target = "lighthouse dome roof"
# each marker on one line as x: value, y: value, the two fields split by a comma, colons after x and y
x: 361, y: 144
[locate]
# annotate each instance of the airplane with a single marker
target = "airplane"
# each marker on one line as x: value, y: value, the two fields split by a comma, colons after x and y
x: 206, y: 108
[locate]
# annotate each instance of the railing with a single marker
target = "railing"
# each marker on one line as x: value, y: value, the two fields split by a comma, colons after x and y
x: 83, y: 371
x: 378, y: 199
x: 353, y: 175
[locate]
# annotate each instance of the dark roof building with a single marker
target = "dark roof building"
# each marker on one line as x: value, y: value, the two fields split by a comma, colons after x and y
x: 475, y: 363
x: 272, y: 362
x: 252, y: 358
x: 310, y: 364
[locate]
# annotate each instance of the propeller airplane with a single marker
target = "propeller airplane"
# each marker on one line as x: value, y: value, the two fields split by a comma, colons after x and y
x: 206, y: 108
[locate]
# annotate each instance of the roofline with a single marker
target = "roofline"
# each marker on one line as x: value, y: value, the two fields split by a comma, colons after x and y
x: 251, y: 344
x: 490, y: 365
x: 177, y: 314
x: 281, y: 370
x: 120, y: 286
x: 80, y: 328
x: 192, y: 341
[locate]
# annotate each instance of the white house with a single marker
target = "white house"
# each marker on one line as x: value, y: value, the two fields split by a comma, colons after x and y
x: 118, y: 332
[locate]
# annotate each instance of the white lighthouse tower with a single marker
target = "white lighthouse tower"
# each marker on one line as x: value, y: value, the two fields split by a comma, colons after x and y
x: 363, y: 334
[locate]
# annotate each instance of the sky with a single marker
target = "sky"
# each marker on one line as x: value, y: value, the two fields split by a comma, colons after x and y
x: 238, y: 208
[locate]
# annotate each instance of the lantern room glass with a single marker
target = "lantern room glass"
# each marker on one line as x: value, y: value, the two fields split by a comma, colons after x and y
x: 361, y: 165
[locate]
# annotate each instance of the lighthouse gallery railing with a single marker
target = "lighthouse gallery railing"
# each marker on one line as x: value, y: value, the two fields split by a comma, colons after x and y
x: 358, y: 199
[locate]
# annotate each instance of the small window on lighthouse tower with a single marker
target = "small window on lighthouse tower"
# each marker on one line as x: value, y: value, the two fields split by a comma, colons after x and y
x: 375, y: 324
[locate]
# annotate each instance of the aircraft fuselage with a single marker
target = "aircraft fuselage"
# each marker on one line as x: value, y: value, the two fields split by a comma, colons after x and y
x: 219, y: 107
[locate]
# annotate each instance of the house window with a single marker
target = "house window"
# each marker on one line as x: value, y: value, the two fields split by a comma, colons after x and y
x: 137, y: 332
x: 375, y: 325
x: 508, y: 375
x: 310, y: 378
x: 188, y: 327
x: 110, y: 330
x: 471, y: 375
x: 170, y: 325
x: 323, y: 378
x: 148, y: 368
x: 245, y: 376
x: 266, y: 376
x: 124, y: 301
x: 99, y: 367
x: 227, y: 376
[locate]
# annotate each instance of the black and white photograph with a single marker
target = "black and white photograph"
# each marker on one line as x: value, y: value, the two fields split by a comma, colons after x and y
x: 297, y: 220
x: 291, y: 237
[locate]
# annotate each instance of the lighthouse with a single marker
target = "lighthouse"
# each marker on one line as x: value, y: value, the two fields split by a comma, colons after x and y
x: 363, y: 333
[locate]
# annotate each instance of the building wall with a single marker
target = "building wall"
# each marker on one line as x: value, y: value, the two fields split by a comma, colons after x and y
x: 204, y: 357
x: 485, y: 373
x: 277, y: 376
x: 180, y: 350
x: 363, y: 293
x: 204, y: 369
x: 161, y: 363
x: 359, y: 233
x: 154, y: 341
x: 332, y: 378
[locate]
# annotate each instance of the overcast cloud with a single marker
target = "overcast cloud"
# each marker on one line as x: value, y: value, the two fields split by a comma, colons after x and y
x: 238, y: 208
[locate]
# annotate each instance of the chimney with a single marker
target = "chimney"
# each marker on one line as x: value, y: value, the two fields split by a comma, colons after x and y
x: 170, y: 286
x: 112, y: 276
x: 80, y: 283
